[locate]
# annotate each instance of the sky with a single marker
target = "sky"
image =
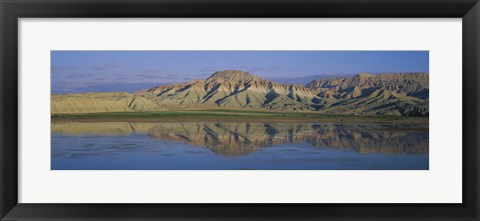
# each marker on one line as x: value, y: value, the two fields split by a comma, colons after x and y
x: 129, y: 71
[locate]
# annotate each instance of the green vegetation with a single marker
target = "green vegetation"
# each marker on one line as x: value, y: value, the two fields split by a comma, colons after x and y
x: 231, y: 115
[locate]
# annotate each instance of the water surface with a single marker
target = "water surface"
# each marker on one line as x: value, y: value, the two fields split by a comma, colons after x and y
x: 237, y: 146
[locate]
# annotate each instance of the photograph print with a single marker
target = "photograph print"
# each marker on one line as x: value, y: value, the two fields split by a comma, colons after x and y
x: 239, y: 110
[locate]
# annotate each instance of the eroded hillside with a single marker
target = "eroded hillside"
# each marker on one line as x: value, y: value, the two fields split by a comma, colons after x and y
x: 363, y: 94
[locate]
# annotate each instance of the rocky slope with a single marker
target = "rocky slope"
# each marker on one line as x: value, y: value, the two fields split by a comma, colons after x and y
x: 393, y: 94
x: 364, y: 94
x: 100, y: 102
x: 233, y: 89
x: 411, y: 84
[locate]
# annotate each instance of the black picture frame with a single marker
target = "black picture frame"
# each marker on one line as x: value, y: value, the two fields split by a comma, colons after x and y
x: 12, y: 10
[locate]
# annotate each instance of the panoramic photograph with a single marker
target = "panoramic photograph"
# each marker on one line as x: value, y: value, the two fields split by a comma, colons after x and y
x: 239, y: 110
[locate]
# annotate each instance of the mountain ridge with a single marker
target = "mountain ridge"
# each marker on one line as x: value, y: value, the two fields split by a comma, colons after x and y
x: 362, y: 94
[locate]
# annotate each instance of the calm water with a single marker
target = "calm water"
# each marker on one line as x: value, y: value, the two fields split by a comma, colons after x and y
x: 238, y: 146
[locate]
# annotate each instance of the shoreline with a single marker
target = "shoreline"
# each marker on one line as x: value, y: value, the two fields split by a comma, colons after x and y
x: 250, y: 117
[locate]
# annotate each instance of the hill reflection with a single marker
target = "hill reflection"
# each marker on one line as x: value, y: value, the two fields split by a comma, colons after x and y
x: 235, y: 139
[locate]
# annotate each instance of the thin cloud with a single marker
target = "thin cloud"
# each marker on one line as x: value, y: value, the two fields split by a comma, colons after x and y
x: 107, y: 66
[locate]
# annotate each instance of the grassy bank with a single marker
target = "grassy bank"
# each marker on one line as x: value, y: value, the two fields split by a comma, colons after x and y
x: 231, y: 116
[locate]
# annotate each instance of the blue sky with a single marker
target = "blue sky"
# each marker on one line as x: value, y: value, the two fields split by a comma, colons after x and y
x: 99, y: 71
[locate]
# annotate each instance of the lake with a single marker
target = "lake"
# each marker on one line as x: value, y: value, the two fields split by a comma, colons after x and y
x: 238, y: 146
